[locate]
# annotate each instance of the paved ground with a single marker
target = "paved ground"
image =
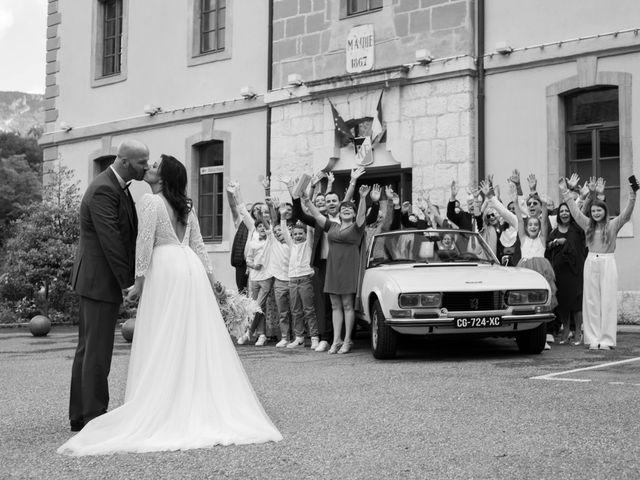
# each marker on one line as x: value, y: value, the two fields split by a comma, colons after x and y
x: 443, y: 410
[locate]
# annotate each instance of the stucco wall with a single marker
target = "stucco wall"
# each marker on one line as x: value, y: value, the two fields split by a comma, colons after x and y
x: 157, y: 56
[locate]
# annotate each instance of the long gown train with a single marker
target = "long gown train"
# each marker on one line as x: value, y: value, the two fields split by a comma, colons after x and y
x: 186, y: 387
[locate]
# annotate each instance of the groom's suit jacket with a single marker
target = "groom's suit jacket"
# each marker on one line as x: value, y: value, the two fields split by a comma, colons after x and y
x: 105, y: 260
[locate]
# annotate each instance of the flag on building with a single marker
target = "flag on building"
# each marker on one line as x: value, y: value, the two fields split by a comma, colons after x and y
x: 342, y: 129
x: 377, y: 128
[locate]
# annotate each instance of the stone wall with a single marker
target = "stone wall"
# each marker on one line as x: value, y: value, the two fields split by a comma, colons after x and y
x: 430, y: 128
x: 309, y: 35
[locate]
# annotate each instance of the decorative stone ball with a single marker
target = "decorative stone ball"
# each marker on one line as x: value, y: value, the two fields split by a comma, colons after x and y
x: 127, y: 329
x: 39, y: 326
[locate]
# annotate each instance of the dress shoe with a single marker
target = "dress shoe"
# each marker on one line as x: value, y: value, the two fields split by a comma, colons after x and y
x: 76, y: 425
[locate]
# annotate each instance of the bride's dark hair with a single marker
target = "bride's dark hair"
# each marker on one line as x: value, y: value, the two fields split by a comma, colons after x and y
x: 174, y: 186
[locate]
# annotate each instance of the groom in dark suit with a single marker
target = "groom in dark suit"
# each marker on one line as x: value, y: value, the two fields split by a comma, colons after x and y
x: 103, y: 268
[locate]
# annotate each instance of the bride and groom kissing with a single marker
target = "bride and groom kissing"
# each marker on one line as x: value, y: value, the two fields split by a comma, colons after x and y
x: 186, y: 387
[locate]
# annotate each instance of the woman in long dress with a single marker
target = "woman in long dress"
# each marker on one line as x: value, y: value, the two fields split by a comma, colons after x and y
x: 186, y: 386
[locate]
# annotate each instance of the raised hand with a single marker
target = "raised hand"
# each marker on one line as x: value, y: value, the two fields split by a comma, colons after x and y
x: 406, y: 207
x: 600, y: 184
x: 515, y: 177
x: 454, y: 189
x: 388, y: 192
x: 356, y: 173
x: 396, y: 199
x: 364, y: 190
x: 317, y: 177
x: 592, y: 184
x: 266, y: 182
x: 573, y: 181
x: 490, y: 179
x: 330, y: 177
x: 496, y: 189
x: 562, y: 184
x: 376, y: 192
x: 532, y: 181
x: 485, y: 187
x: 232, y: 187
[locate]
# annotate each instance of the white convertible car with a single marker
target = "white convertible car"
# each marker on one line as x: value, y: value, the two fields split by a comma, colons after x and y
x: 434, y: 282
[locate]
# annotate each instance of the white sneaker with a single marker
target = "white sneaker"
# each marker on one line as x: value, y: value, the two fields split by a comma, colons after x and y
x: 262, y: 339
x: 323, y: 346
x: 282, y: 343
x: 547, y: 346
x: 242, y: 339
x: 315, y: 341
x: 298, y: 342
x: 550, y: 338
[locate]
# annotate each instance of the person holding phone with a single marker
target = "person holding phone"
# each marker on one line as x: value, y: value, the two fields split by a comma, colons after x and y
x: 599, y: 298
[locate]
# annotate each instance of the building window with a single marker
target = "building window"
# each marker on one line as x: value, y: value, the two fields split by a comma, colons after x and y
x: 211, y: 190
x: 212, y: 25
x: 109, y: 53
x: 210, y: 31
x: 102, y: 163
x: 593, y: 139
x: 111, y: 37
x: 354, y: 7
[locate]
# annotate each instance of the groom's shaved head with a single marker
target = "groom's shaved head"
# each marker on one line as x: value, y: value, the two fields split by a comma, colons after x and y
x: 132, y: 160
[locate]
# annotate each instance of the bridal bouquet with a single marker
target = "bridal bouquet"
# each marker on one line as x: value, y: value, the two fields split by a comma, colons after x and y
x: 238, y: 309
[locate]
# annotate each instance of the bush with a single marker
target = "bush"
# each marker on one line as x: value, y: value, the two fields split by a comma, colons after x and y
x: 40, y: 253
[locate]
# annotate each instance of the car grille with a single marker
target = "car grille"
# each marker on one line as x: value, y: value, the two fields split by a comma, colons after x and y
x: 470, y: 301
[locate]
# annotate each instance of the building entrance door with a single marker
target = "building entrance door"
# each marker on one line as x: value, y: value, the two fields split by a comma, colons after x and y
x: 398, y: 178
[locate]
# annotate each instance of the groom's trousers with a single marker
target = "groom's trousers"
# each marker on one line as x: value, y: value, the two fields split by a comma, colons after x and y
x: 92, y: 362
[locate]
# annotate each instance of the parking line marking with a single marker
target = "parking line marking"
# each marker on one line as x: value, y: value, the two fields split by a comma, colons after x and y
x: 550, y: 376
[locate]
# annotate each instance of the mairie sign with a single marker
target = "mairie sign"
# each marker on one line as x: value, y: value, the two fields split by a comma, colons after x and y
x: 360, y: 49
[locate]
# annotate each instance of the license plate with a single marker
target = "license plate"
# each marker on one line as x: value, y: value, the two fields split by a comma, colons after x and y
x: 478, y: 322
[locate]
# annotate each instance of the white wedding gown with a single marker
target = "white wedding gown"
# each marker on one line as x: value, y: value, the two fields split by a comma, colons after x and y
x: 186, y: 386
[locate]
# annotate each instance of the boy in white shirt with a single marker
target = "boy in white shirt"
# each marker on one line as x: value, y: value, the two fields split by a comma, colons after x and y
x: 300, y: 283
x: 278, y: 252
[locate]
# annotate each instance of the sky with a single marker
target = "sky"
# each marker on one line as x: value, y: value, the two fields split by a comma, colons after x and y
x: 23, y: 32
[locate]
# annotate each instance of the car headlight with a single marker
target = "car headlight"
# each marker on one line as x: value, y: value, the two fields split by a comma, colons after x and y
x: 419, y: 300
x: 526, y: 297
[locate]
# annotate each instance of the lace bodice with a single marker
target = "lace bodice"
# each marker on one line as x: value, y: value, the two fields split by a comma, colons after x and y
x: 532, y: 247
x: 155, y: 229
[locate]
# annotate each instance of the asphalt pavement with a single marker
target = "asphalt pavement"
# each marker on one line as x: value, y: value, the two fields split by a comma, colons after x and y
x: 444, y: 409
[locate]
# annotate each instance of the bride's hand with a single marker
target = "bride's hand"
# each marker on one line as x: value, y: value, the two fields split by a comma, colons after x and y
x: 133, y: 296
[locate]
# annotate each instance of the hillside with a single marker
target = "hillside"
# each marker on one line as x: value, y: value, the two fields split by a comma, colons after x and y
x: 19, y: 112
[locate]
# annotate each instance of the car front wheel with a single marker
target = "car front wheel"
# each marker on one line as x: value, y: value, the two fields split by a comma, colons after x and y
x: 532, y: 341
x: 383, y: 339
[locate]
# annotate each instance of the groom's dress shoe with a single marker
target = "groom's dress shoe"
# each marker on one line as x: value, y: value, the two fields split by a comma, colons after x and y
x: 76, y: 425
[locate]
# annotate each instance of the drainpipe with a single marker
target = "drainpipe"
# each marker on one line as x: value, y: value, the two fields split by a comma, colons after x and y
x: 269, y: 85
x: 481, y: 85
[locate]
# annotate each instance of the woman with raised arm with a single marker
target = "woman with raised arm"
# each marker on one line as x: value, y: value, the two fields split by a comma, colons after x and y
x: 599, y: 296
x: 567, y: 251
x: 186, y: 386
x: 341, y: 281
x: 532, y: 233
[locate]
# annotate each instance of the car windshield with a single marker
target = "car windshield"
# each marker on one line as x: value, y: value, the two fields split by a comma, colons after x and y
x: 429, y: 246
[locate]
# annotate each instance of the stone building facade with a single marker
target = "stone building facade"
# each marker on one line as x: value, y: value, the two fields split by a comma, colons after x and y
x: 428, y: 109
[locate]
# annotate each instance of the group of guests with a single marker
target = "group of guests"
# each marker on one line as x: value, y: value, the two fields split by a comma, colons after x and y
x: 302, y: 261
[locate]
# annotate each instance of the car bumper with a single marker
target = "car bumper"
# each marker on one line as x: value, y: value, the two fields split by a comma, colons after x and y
x: 446, y: 325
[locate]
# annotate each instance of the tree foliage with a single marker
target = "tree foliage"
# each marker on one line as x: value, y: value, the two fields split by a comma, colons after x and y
x: 41, y: 251
x: 19, y: 188
x: 12, y: 143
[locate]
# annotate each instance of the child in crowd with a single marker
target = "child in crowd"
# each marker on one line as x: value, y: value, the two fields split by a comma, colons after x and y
x: 599, y: 296
x: 278, y: 253
x: 301, y: 282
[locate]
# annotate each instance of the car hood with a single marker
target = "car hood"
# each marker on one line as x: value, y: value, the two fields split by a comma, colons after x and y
x: 459, y: 277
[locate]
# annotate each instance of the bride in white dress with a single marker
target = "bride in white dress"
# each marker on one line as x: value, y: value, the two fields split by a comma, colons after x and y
x: 186, y: 386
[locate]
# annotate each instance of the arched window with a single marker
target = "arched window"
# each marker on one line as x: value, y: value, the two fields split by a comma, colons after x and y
x: 593, y: 139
